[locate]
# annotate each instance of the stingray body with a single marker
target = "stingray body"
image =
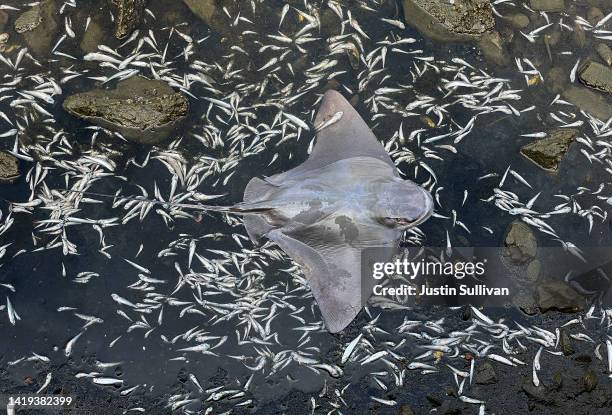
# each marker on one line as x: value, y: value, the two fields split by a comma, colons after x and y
x: 345, y: 197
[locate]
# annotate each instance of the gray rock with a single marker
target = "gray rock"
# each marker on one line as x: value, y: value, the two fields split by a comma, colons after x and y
x: 485, y: 374
x: 520, y: 243
x: 9, y: 168
x: 605, y: 53
x: 441, y: 20
x: 547, y: 5
x: 142, y: 110
x: 39, y: 27
x: 548, y: 152
x: 597, y: 76
x: 128, y: 16
x: 557, y: 295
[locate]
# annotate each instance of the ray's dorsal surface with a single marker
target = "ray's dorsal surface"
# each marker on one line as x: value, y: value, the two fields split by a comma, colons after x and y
x: 346, y: 197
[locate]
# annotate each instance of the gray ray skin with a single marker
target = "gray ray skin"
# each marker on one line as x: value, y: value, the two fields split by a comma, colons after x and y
x: 347, y: 196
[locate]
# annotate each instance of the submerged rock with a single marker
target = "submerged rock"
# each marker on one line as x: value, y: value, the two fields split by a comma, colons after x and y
x: 533, y: 270
x: 579, y: 35
x: 3, y: 19
x: 557, y: 295
x: 461, y: 20
x: 605, y: 53
x: 518, y: 20
x: 485, y: 374
x: 204, y: 9
x: 493, y: 48
x: 142, y: 110
x: 597, y: 76
x: 594, y: 15
x: 211, y: 13
x: 92, y: 37
x: 589, y: 381
x: 4, y: 37
x: 589, y: 101
x: 526, y: 302
x: 9, y: 168
x: 565, y: 343
x: 548, y: 152
x: 38, y: 26
x: 449, y: 407
x: 539, y: 394
x: 547, y: 5
x: 129, y: 16
x: 28, y: 20
x: 434, y: 400
x: 520, y: 243
x: 405, y: 410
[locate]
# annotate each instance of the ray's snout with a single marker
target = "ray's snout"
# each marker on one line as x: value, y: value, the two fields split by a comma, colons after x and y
x: 424, y: 208
x: 405, y: 204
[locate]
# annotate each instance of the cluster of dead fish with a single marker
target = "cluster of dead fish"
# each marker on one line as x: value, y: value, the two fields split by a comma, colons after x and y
x: 246, y: 116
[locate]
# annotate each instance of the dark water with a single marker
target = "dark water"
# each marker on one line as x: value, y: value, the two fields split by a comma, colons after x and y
x: 491, y: 147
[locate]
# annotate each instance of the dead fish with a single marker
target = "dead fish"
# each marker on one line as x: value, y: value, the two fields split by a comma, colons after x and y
x: 70, y: 344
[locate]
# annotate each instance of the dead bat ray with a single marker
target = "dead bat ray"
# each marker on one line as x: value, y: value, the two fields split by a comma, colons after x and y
x: 347, y: 196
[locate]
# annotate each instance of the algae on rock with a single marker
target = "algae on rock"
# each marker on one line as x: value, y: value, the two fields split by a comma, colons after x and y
x: 142, y: 110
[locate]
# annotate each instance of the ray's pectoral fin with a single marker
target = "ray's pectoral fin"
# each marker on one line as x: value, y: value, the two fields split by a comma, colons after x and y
x: 256, y: 227
x: 334, y: 276
x: 257, y: 190
x: 349, y: 136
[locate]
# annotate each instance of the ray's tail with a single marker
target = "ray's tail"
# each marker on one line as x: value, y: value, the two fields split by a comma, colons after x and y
x: 238, y: 209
